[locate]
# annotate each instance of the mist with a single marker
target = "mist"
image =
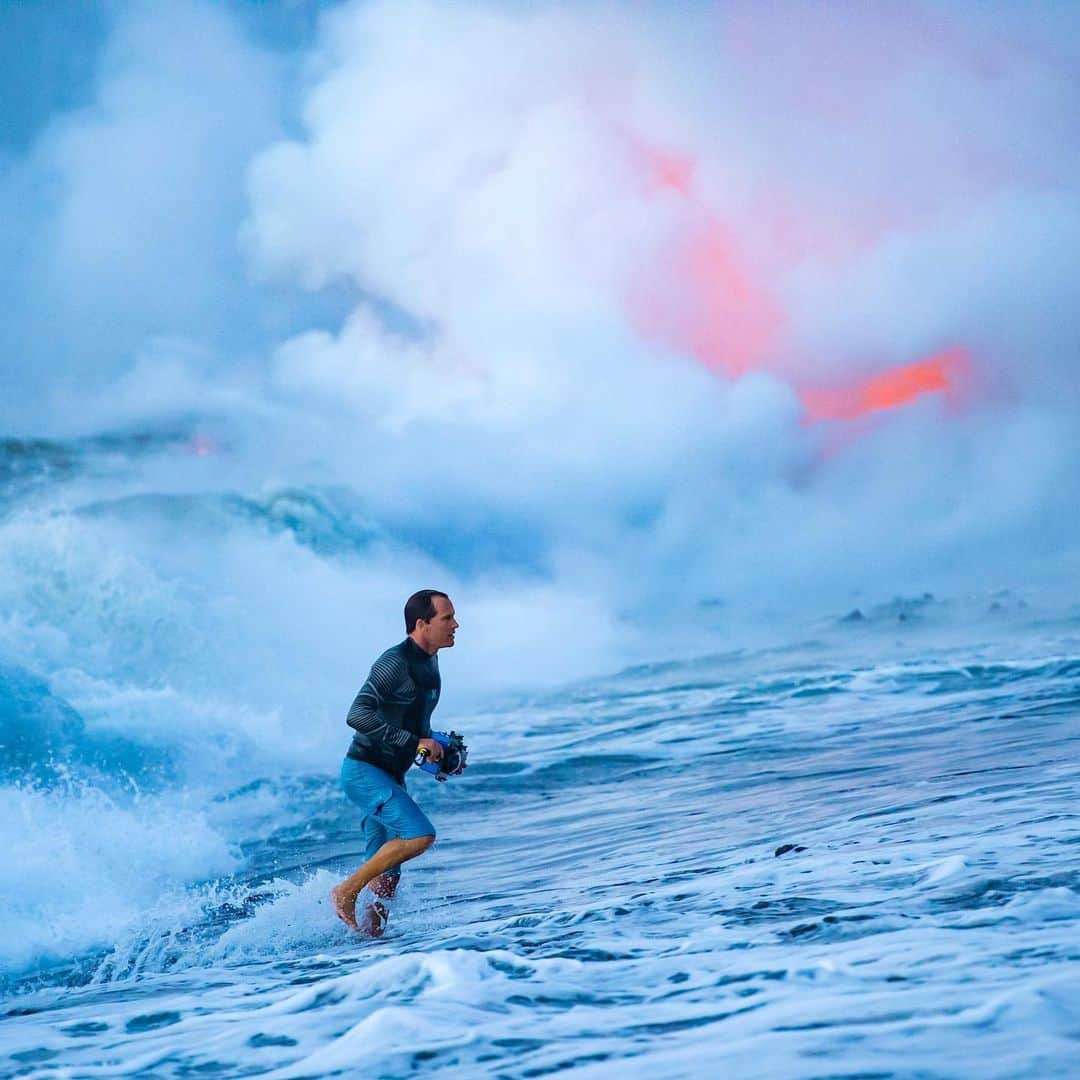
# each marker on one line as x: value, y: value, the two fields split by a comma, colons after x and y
x: 597, y: 314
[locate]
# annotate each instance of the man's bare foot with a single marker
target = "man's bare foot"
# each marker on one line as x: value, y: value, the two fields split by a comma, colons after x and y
x: 345, y: 911
x: 373, y: 921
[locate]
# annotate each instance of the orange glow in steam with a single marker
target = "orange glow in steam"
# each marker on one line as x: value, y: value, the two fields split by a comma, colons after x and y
x: 200, y: 446
x: 899, y: 386
x: 701, y: 296
x: 730, y: 321
x: 704, y: 298
x: 660, y: 169
x: 674, y: 171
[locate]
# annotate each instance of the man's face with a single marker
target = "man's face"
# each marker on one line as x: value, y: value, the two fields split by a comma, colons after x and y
x: 439, y: 629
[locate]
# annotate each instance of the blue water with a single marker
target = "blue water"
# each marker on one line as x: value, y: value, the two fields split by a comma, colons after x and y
x: 848, y: 848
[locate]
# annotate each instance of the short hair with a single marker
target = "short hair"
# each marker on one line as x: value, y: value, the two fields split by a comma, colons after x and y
x: 420, y: 606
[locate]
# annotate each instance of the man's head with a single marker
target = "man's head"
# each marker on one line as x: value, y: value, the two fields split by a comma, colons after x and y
x: 429, y: 620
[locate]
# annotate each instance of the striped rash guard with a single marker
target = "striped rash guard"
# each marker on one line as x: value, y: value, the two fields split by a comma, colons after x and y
x: 393, y: 709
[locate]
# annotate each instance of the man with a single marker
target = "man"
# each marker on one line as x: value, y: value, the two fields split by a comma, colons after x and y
x: 391, y: 720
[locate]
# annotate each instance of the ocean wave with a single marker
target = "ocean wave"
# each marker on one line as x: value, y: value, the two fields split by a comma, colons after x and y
x: 44, y: 739
x: 86, y: 866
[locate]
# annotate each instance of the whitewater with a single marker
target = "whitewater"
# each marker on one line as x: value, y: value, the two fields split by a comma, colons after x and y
x: 849, y: 849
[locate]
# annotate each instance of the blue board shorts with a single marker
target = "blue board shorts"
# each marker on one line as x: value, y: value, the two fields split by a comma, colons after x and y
x: 387, y: 808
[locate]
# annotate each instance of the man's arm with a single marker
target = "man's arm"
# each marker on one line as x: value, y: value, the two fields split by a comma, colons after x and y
x: 425, y: 724
x: 434, y: 749
x: 365, y: 716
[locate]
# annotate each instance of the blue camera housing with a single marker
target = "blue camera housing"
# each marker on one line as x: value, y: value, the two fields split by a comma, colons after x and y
x: 455, y: 755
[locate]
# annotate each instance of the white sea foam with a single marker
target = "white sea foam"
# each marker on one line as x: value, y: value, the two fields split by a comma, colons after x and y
x: 84, y: 869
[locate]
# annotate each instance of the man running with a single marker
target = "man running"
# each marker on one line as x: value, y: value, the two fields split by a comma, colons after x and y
x: 391, y: 720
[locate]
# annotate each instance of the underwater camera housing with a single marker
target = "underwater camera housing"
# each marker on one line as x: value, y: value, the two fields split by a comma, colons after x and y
x: 455, y: 755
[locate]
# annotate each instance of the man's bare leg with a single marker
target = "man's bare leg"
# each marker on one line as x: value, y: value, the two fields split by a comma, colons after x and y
x: 392, y: 853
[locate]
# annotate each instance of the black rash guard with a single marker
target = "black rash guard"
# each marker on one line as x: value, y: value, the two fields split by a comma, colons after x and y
x: 392, y: 711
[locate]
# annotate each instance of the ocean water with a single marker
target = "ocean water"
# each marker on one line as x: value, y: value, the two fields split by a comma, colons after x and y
x: 848, y: 851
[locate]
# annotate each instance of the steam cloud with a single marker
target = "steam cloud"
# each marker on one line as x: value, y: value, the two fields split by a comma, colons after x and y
x: 722, y: 300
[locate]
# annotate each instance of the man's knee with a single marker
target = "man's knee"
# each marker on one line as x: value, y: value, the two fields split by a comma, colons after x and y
x: 422, y: 843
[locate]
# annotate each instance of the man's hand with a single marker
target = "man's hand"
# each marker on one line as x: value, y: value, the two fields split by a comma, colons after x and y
x: 434, y: 749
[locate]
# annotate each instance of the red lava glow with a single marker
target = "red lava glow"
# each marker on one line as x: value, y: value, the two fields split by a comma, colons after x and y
x: 661, y: 169
x: 703, y: 298
x: 704, y: 302
x: 889, y: 389
x: 201, y: 446
x: 730, y: 320
x: 674, y: 171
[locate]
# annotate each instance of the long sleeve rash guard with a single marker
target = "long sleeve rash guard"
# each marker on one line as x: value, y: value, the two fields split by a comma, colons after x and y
x: 392, y: 711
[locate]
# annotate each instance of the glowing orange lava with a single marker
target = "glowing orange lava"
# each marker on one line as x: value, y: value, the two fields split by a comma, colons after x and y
x: 889, y: 389
x: 704, y: 296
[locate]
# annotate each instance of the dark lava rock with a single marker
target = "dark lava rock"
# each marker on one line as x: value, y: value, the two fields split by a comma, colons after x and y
x: 783, y: 849
x: 271, y: 1040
